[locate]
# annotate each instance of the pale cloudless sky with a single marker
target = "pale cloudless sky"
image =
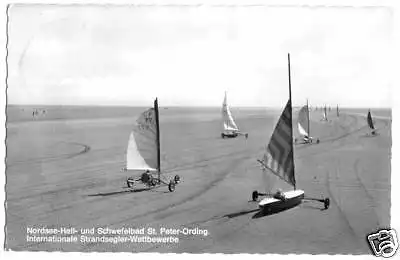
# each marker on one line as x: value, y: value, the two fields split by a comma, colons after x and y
x: 127, y: 55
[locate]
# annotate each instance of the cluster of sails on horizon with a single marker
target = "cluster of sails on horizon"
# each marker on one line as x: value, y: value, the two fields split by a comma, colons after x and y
x: 143, y: 152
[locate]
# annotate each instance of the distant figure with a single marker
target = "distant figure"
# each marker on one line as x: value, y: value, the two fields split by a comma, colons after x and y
x: 35, y: 113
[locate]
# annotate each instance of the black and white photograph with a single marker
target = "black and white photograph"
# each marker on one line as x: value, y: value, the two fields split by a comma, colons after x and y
x: 204, y: 128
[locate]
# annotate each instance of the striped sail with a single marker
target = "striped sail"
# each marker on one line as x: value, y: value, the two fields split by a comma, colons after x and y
x: 229, y: 124
x: 278, y: 157
x: 142, y: 147
x: 370, y: 122
x: 303, y: 121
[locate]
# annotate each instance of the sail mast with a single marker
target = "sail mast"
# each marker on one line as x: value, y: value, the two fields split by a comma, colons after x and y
x: 308, y: 120
x: 158, y: 138
x: 291, y: 129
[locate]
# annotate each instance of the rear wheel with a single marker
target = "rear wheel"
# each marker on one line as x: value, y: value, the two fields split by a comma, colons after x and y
x: 317, y: 141
x: 223, y: 136
x: 129, y: 182
x: 326, y: 203
x: 254, y: 195
x: 171, y: 186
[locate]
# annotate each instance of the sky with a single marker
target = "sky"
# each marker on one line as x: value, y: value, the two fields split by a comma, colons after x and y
x: 189, y: 56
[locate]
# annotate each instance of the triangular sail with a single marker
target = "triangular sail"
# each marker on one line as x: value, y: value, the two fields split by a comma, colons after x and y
x: 142, y: 152
x: 370, y: 122
x: 228, y: 122
x: 278, y: 157
x: 324, y: 117
x: 269, y: 181
x: 303, y: 121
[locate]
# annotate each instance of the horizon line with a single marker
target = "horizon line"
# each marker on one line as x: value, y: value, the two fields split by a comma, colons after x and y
x: 185, y: 106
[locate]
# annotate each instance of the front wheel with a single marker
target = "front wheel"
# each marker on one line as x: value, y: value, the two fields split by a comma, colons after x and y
x: 129, y: 182
x: 171, y: 186
x: 317, y: 141
x: 223, y: 136
x: 177, y: 179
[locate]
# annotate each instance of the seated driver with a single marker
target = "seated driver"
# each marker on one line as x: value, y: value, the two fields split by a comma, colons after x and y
x: 279, y: 195
x: 145, y: 176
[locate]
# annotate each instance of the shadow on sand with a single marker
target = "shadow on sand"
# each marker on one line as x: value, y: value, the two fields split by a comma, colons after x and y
x: 240, y: 213
x: 308, y: 205
x: 368, y: 135
x: 119, y: 192
x: 274, y: 210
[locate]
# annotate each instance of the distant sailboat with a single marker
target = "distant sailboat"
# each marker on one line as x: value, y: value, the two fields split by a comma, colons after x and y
x: 230, y: 128
x: 303, y: 124
x: 278, y: 160
x: 337, y: 110
x: 324, y: 115
x: 143, y: 152
x: 371, y: 123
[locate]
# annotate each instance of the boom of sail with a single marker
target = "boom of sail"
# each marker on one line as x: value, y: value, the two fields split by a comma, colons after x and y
x: 228, y: 122
x: 143, y: 145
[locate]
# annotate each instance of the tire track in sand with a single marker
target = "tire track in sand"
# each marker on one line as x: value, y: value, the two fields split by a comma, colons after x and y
x: 47, y: 159
x: 225, y: 172
x: 247, y: 223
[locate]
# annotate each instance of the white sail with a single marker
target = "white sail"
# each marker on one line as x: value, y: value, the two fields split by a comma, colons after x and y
x: 269, y: 181
x: 228, y: 122
x: 142, y: 147
x: 324, y: 117
x: 302, y: 123
x: 302, y: 131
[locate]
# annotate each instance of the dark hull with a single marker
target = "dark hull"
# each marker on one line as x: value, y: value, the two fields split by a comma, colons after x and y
x: 230, y: 135
x: 283, y: 204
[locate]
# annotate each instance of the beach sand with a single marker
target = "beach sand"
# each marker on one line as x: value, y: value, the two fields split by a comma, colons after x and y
x: 65, y: 171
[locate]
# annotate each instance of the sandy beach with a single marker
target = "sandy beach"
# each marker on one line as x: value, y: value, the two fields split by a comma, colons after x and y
x: 64, y: 170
